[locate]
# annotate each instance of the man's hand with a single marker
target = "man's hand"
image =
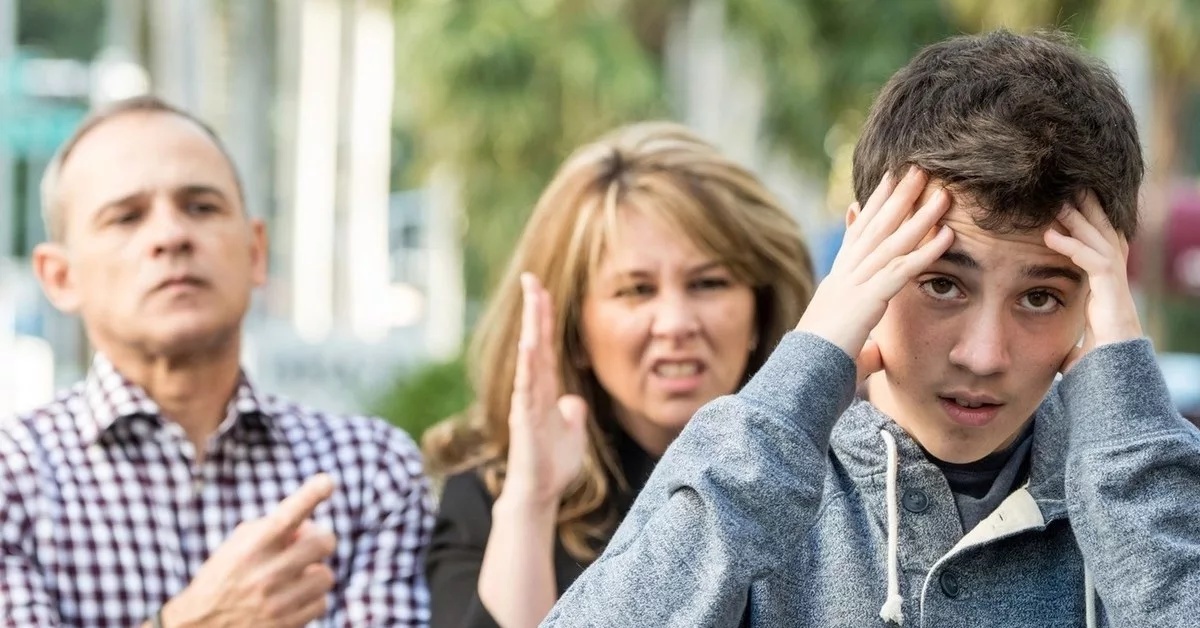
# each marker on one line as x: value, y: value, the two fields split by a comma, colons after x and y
x: 268, y: 573
x: 1095, y: 246
x: 880, y: 254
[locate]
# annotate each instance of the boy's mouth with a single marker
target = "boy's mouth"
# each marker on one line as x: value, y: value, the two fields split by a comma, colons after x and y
x: 970, y: 410
x: 969, y: 404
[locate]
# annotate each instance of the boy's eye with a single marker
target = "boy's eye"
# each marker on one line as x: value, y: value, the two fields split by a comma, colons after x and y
x: 1041, y: 301
x: 940, y: 288
x: 941, y: 285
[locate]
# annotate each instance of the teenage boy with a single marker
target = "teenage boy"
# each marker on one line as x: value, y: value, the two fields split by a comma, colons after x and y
x: 970, y: 487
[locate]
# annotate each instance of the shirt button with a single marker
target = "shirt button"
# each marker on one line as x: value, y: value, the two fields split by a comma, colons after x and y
x: 915, y: 500
x: 950, y: 584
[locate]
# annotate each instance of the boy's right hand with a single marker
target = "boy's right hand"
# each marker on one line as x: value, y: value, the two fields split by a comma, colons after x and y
x: 881, y: 252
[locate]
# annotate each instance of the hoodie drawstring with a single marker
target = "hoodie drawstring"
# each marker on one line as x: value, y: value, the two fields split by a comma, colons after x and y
x: 893, y: 608
x: 1089, y: 600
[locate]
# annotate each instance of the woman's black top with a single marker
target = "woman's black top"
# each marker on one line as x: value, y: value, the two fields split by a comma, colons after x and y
x: 464, y: 521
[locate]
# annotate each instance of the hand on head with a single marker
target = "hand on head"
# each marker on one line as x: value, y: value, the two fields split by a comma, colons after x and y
x: 883, y: 251
x: 1084, y: 234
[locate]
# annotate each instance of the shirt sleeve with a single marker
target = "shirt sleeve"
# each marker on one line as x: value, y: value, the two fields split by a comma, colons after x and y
x: 387, y: 584
x: 24, y: 601
x: 1133, y: 487
x: 456, y: 554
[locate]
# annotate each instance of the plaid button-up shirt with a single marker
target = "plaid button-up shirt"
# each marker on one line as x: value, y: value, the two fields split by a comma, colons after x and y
x: 104, y: 514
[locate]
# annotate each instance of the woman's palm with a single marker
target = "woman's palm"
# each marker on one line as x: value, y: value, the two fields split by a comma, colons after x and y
x: 547, y: 432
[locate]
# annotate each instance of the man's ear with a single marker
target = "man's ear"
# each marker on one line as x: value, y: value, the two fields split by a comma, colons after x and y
x: 259, y: 252
x: 52, y: 267
x: 852, y: 213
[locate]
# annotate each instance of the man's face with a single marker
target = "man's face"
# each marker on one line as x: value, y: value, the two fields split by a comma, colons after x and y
x: 972, y: 346
x: 159, y: 256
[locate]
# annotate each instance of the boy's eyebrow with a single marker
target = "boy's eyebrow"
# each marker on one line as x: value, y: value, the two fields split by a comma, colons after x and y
x: 959, y: 258
x: 1032, y: 271
x: 1040, y: 271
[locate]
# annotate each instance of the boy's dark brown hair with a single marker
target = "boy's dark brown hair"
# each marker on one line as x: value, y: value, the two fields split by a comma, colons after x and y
x: 1018, y: 124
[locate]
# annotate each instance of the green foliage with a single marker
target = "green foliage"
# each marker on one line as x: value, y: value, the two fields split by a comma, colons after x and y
x: 824, y: 61
x: 425, y: 396
x: 501, y: 92
x: 1183, y: 324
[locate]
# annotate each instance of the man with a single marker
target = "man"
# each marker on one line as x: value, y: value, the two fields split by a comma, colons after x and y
x: 972, y: 489
x: 165, y: 488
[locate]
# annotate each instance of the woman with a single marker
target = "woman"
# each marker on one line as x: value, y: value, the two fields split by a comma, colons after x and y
x: 670, y: 273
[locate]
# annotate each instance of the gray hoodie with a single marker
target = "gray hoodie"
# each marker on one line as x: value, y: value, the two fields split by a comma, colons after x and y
x: 793, y: 504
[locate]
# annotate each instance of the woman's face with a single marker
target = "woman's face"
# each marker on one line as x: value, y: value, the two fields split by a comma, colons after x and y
x: 666, y: 328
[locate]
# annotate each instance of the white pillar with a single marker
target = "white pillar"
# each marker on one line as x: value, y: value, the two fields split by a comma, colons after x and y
x: 315, y: 172
x: 249, y: 133
x: 446, y: 314
x: 369, y: 168
x: 177, y: 28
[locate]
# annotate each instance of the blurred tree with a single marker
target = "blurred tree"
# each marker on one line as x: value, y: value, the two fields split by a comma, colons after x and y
x: 503, y: 91
x: 1183, y: 322
x: 425, y: 396
x: 824, y: 62
x: 71, y: 29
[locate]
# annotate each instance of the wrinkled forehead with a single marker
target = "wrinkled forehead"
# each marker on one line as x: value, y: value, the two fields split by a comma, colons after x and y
x: 142, y: 151
x: 1010, y: 258
x: 1010, y: 252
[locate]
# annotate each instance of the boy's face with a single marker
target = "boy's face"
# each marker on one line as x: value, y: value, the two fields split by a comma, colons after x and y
x: 972, y: 346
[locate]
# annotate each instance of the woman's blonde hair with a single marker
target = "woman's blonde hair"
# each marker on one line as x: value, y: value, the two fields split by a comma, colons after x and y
x: 663, y: 171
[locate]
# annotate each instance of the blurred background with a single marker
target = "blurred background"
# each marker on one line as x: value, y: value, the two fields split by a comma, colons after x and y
x: 395, y: 148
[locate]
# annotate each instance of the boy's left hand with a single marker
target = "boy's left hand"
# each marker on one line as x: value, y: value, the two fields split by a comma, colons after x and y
x: 1095, y: 246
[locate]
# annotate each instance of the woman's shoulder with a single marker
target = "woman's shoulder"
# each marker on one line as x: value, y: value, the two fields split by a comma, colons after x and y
x: 464, y: 509
x: 467, y: 484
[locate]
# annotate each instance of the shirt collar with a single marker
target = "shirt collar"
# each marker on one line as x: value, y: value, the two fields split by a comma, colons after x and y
x: 112, y: 398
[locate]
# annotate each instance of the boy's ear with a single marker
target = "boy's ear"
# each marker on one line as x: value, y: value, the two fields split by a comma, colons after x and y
x: 852, y: 214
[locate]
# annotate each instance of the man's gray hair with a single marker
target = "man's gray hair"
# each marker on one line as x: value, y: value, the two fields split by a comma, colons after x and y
x: 52, y: 209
